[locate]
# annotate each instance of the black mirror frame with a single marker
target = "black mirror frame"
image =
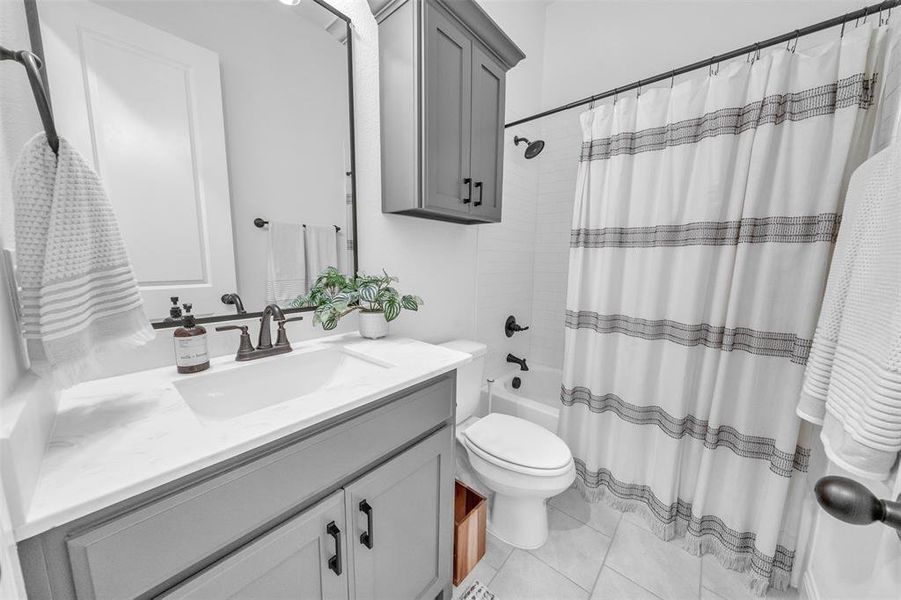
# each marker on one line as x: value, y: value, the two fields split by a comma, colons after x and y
x: 34, y: 31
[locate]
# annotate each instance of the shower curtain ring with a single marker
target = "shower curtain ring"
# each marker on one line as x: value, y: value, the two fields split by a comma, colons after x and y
x: 792, y: 45
x: 615, y: 95
x: 638, y: 93
x: 672, y: 79
x: 844, y: 18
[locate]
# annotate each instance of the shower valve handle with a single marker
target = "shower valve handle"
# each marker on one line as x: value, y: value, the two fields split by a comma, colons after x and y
x: 511, y: 326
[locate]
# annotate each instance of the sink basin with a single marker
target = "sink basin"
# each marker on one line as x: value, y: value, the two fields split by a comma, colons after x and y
x: 269, y: 381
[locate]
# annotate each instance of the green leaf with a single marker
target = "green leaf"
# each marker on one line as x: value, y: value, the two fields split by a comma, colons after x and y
x: 392, y: 308
x: 368, y: 292
x: 330, y: 323
x: 409, y: 302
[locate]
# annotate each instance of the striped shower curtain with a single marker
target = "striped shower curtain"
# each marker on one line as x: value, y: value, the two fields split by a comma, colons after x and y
x: 704, y: 222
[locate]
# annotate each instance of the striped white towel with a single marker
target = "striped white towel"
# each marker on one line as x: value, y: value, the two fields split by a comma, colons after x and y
x: 852, y: 385
x: 79, y: 294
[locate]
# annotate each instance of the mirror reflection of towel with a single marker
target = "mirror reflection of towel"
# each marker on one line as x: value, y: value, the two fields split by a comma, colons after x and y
x: 322, y: 249
x: 286, y: 276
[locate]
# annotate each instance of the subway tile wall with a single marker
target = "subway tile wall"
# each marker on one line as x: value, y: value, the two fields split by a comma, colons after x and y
x: 558, y: 165
x: 505, y: 259
x: 523, y: 261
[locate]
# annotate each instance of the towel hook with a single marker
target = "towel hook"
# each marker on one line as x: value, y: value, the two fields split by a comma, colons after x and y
x: 33, y: 65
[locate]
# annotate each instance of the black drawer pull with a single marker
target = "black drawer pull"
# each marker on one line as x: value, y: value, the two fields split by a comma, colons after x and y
x: 468, y: 181
x: 334, y: 563
x: 367, y: 537
x: 478, y: 187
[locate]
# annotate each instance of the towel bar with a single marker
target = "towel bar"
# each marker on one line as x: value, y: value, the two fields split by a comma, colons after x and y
x: 262, y: 223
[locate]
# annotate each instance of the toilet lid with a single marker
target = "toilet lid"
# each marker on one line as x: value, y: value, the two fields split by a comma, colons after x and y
x: 519, y: 442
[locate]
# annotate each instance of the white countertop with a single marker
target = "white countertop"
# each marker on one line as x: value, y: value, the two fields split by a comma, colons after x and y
x: 119, y: 437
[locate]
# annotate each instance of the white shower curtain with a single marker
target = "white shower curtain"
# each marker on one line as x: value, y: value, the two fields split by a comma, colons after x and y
x: 703, y: 226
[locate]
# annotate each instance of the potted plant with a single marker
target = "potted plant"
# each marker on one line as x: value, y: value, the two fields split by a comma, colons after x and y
x: 335, y: 295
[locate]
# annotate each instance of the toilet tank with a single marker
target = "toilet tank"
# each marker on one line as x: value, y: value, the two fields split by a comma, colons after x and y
x: 469, y: 376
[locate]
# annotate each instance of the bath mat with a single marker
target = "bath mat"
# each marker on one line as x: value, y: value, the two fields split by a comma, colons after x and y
x: 477, y: 591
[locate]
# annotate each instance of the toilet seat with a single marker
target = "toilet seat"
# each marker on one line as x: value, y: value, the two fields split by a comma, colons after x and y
x: 518, y: 445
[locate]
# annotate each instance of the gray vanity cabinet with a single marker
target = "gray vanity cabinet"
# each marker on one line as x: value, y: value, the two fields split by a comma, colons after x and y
x: 303, y: 558
x: 442, y: 67
x: 268, y: 524
x: 401, y: 546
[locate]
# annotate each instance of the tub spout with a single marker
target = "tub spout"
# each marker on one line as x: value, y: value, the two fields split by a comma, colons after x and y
x: 518, y: 361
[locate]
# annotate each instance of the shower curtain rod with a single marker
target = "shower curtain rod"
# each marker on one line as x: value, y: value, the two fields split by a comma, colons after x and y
x: 756, y: 47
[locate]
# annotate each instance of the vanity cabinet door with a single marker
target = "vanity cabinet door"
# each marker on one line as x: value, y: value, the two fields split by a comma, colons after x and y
x: 488, y: 79
x: 400, y: 518
x: 306, y: 557
x: 447, y: 106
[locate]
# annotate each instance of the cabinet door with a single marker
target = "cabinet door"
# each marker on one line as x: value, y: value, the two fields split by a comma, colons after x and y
x: 447, y: 106
x: 401, y: 517
x: 487, y: 135
x: 303, y: 558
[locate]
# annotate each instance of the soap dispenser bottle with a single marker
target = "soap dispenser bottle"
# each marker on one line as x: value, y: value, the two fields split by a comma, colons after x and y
x: 191, y: 351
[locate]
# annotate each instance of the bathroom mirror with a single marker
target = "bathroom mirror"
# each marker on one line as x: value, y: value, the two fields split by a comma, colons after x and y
x: 223, y: 133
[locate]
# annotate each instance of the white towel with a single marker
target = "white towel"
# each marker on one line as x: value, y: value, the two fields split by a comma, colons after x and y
x: 322, y: 249
x: 852, y: 385
x: 286, y: 277
x: 79, y: 294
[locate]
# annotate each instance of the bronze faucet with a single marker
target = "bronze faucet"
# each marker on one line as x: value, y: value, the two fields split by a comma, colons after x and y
x: 264, y: 348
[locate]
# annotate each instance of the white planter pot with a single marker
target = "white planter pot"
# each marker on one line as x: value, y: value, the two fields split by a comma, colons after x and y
x: 373, y: 325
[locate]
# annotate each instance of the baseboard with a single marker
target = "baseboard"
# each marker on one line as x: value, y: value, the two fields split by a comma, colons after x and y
x: 808, y: 589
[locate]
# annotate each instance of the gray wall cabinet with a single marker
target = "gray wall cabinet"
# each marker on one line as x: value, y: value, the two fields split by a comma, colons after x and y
x: 442, y: 68
x: 283, y: 521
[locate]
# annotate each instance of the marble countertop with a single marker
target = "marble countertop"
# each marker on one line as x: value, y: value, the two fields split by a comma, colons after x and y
x: 116, y: 438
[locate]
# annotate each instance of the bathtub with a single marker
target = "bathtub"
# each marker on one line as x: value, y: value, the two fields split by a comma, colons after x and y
x: 536, y: 400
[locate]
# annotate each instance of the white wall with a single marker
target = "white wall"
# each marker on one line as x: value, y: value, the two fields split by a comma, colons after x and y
x: 18, y: 122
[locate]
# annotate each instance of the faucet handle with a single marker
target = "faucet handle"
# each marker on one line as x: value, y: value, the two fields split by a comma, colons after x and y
x: 282, y: 334
x: 246, y: 347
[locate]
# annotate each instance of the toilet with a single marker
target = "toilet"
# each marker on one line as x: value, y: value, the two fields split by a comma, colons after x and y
x: 524, y: 464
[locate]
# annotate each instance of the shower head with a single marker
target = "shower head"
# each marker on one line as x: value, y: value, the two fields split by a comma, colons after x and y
x: 533, y: 149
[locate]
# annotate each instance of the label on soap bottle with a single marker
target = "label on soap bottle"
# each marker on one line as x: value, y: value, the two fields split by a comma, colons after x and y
x: 191, y: 351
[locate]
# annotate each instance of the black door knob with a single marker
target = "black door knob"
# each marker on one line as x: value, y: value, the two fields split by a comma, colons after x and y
x: 852, y: 502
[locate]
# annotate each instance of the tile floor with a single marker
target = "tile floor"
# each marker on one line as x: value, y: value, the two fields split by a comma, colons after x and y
x: 597, y: 553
